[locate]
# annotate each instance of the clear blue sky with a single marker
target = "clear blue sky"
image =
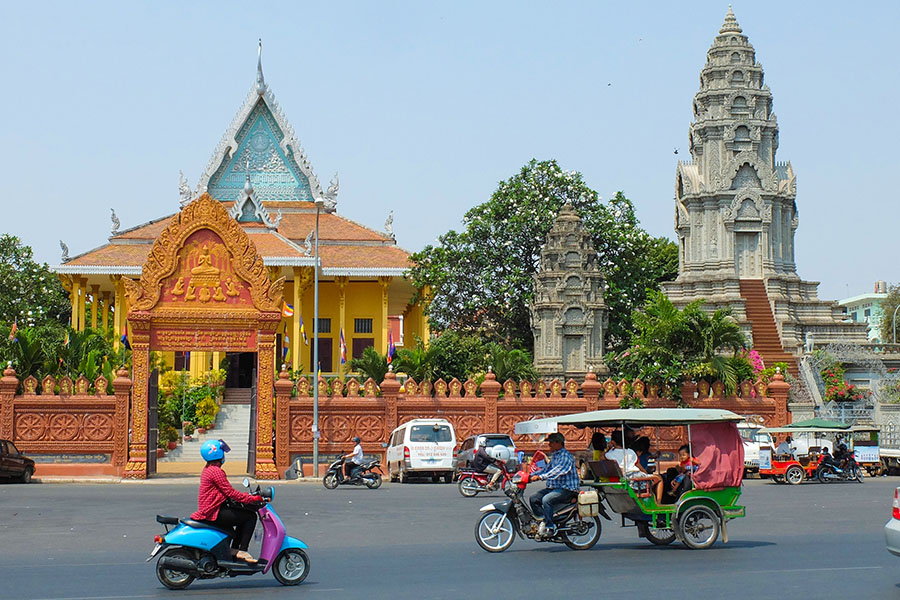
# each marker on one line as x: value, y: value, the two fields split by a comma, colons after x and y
x: 423, y: 107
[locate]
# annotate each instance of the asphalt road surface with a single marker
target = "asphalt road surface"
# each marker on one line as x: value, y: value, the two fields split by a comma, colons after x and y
x: 79, y: 541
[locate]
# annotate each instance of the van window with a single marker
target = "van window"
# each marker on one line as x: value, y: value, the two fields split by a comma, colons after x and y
x: 397, y: 438
x: 428, y: 433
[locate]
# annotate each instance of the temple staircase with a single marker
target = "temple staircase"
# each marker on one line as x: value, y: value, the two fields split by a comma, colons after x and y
x: 766, y: 340
x: 232, y: 425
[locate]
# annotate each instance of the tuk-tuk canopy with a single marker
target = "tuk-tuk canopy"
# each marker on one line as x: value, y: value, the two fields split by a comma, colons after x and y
x: 630, y: 416
x: 817, y: 422
x: 794, y: 428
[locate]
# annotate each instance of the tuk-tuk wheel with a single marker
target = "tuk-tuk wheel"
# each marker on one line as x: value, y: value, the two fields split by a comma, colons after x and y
x: 794, y: 475
x: 698, y: 527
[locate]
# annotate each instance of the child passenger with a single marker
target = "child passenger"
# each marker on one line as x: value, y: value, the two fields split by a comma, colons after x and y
x: 687, y: 465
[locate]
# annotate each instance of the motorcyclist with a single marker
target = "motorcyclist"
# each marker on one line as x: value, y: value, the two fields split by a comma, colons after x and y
x: 562, y: 483
x: 212, y: 506
x: 485, y: 463
x: 353, y: 460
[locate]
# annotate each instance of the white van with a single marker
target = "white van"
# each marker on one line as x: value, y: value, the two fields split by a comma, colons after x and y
x: 422, y: 447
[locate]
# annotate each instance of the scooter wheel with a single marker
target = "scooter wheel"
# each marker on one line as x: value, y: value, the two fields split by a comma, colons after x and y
x: 291, y: 566
x: 174, y: 580
x: 468, y: 487
x: 373, y: 482
x: 330, y: 481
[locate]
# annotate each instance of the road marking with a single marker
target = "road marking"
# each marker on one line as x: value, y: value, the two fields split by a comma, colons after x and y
x: 813, y: 570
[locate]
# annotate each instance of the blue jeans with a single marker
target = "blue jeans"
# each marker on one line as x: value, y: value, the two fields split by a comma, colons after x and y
x: 548, y: 501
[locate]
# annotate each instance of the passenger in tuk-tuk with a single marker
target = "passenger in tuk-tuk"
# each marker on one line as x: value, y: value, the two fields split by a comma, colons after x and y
x: 642, y: 449
x: 631, y: 468
x: 681, y: 482
x: 785, y: 448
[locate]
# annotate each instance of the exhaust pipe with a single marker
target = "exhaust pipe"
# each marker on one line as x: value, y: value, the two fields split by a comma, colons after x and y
x: 183, y: 565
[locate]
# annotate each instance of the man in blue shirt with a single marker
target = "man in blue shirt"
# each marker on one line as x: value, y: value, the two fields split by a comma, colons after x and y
x: 562, y: 483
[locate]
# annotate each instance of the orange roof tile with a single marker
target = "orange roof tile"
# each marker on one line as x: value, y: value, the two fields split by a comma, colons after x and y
x: 364, y: 257
x: 118, y: 255
x: 297, y: 226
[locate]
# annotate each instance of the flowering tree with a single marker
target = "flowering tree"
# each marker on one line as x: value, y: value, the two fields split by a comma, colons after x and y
x: 30, y: 293
x: 836, y: 387
x: 481, y: 279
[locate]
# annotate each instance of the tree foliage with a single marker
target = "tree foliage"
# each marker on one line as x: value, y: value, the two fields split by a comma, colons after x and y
x: 888, y: 306
x: 29, y: 292
x: 481, y: 279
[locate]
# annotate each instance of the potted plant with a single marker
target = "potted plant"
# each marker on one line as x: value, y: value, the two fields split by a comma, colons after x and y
x: 188, y: 431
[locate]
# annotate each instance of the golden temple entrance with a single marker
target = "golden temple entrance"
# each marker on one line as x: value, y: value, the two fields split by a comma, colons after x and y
x: 204, y: 288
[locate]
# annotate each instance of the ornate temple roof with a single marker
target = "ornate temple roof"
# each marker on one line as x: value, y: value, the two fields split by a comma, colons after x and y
x: 261, y: 174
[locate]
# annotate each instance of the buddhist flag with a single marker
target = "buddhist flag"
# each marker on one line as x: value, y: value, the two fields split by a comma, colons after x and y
x: 343, y: 348
x: 66, y: 339
x: 13, y: 330
x: 391, y: 349
x: 124, y: 338
x: 303, y: 331
x: 285, y: 348
x: 319, y: 374
x: 286, y: 309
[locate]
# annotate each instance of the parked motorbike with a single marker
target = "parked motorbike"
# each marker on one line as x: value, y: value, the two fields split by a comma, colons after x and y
x: 472, y: 482
x: 849, y: 471
x: 366, y: 475
x: 197, y: 550
x: 497, y: 528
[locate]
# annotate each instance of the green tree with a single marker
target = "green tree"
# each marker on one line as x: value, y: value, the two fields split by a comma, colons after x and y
x: 481, y: 279
x: 888, y: 306
x: 371, y: 364
x: 30, y: 293
x: 457, y: 355
x: 417, y: 362
x: 510, y: 363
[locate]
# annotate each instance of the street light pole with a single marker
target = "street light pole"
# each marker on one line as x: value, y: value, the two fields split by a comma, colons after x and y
x: 315, y: 366
x: 895, y: 323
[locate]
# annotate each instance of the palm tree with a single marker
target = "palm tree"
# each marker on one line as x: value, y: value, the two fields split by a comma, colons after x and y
x: 712, y: 336
x: 417, y: 362
x: 510, y: 363
x: 371, y: 364
x: 28, y: 352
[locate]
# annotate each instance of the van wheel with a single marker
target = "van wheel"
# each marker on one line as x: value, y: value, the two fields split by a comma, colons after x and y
x: 395, y: 477
x: 448, y: 477
x: 403, y: 476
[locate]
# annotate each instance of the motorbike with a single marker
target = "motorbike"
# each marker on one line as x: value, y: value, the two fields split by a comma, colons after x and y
x: 366, y: 475
x: 497, y: 528
x: 472, y: 482
x: 849, y: 471
x: 192, y: 549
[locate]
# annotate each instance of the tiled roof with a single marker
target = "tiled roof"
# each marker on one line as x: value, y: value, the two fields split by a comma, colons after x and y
x: 147, y: 231
x: 113, y: 255
x: 297, y: 226
x: 342, y: 257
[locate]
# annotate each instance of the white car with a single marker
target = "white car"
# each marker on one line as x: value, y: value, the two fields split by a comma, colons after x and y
x: 892, y: 527
x: 752, y: 441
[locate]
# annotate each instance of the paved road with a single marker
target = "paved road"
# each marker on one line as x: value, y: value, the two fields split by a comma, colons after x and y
x: 416, y: 541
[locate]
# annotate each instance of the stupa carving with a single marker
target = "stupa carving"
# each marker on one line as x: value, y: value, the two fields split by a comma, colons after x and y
x: 568, y: 313
x: 736, y: 212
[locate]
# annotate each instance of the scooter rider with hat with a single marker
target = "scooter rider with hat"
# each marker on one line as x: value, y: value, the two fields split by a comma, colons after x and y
x: 354, y: 460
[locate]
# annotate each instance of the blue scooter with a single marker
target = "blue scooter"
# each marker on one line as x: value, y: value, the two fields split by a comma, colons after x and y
x: 197, y: 550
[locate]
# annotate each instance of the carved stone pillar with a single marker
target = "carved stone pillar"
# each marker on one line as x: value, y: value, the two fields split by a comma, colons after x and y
x: 265, y: 457
x: 778, y: 390
x: 122, y: 388
x: 283, y: 388
x: 490, y: 390
x: 136, y: 468
x: 390, y: 388
x: 8, y: 385
x: 591, y: 389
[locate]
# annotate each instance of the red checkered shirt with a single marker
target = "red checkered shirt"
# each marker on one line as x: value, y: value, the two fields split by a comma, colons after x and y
x: 214, y: 488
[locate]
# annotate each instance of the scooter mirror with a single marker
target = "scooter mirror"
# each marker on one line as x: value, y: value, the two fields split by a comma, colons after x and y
x: 246, y: 482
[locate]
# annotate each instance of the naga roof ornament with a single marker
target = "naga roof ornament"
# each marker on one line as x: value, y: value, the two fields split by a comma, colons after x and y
x: 260, y: 133
x: 248, y: 208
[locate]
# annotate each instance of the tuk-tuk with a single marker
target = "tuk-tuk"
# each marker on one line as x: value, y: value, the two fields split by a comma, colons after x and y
x: 709, y: 500
x: 803, y: 464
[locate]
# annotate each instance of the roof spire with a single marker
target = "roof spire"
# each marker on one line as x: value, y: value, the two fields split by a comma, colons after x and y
x: 260, y: 80
x: 248, y: 187
x: 730, y: 25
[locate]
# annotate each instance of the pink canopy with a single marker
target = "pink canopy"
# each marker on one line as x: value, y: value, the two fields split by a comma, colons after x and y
x: 720, y: 451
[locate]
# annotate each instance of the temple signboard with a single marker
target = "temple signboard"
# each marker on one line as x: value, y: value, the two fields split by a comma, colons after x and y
x: 199, y: 339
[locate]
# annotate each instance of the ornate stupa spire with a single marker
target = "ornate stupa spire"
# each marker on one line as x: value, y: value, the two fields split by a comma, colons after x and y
x: 730, y: 25
x: 260, y: 79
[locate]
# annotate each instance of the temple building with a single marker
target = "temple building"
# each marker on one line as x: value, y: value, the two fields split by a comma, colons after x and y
x: 736, y: 212
x: 261, y: 175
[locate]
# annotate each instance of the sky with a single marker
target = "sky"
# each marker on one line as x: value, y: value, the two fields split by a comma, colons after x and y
x: 423, y: 107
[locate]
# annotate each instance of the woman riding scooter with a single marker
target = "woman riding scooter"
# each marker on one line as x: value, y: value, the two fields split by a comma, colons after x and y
x: 214, y: 491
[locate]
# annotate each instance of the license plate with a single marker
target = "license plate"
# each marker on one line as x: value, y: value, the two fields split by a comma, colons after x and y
x: 154, y: 553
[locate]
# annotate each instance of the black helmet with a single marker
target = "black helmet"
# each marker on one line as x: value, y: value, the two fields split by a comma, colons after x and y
x: 356, y: 439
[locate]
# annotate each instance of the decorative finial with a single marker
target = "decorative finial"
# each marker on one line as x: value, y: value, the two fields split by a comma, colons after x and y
x: 260, y: 80
x: 115, y: 222
x: 590, y: 368
x: 331, y: 194
x: 184, y: 190
x: 283, y: 366
x: 248, y: 187
x: 730, y: 25
x: 308, y: 243
x: 65, y: 251
x: 389, y: 225
x: 490, y: 369
x: 390, y: 368
x: 778, y: 369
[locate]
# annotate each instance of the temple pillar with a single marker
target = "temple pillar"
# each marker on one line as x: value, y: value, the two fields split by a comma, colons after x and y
x: 82, y: 304
x: 217, y: 359
x: 105, y: 313
x: 342, y: 309
x: 73, y: 296
x: 302, y: 277
x: 95, y: 297
x: 199, y: 364
x: 119, y: 311
x: 385, y: 284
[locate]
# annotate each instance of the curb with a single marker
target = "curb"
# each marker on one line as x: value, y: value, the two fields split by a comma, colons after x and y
x: 182, y: 480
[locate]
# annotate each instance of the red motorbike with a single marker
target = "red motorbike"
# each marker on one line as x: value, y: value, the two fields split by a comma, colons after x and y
x: 471, y: 482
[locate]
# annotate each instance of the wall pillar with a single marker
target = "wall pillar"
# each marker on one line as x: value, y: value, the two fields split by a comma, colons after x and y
x: 778, y: 390
x: 283, y: 388
x: 122, y: 388
x: 8, y: 385
x: 385, y: 284
x: 265, y: 463
x: 95, y: 298
x: 490, y: 389
x: 105, y: 314
x: 136, y: 468
x: 591, y: 389
x: 390, y: 388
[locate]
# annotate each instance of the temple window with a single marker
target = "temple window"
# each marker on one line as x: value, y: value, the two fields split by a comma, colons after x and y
x: 742, y: 139
x: 739, y: 107
x: 324, y: 325
x: 737, y: 77
x: 735, y: 57
x: 362, y: 325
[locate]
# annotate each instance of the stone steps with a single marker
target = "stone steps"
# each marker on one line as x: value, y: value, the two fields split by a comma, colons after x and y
x: 232, y: 425
x: 766, y: 340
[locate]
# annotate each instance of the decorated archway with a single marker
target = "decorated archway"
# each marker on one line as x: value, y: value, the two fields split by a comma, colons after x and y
x: 203, y: 288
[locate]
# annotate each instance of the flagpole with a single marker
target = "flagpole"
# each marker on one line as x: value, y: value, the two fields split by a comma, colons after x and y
x: 315, y: 366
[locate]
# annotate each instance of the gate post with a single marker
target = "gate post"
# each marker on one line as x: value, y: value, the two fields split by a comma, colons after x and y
x: 283, y: 388
x: 122, y: 387
x: 390, y: 388
x: 778, y: 389
x: 8, y: 385
x: 591, y: 388
x: 490, y: 389
x: 136, y: 468
x: 265, y: 456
